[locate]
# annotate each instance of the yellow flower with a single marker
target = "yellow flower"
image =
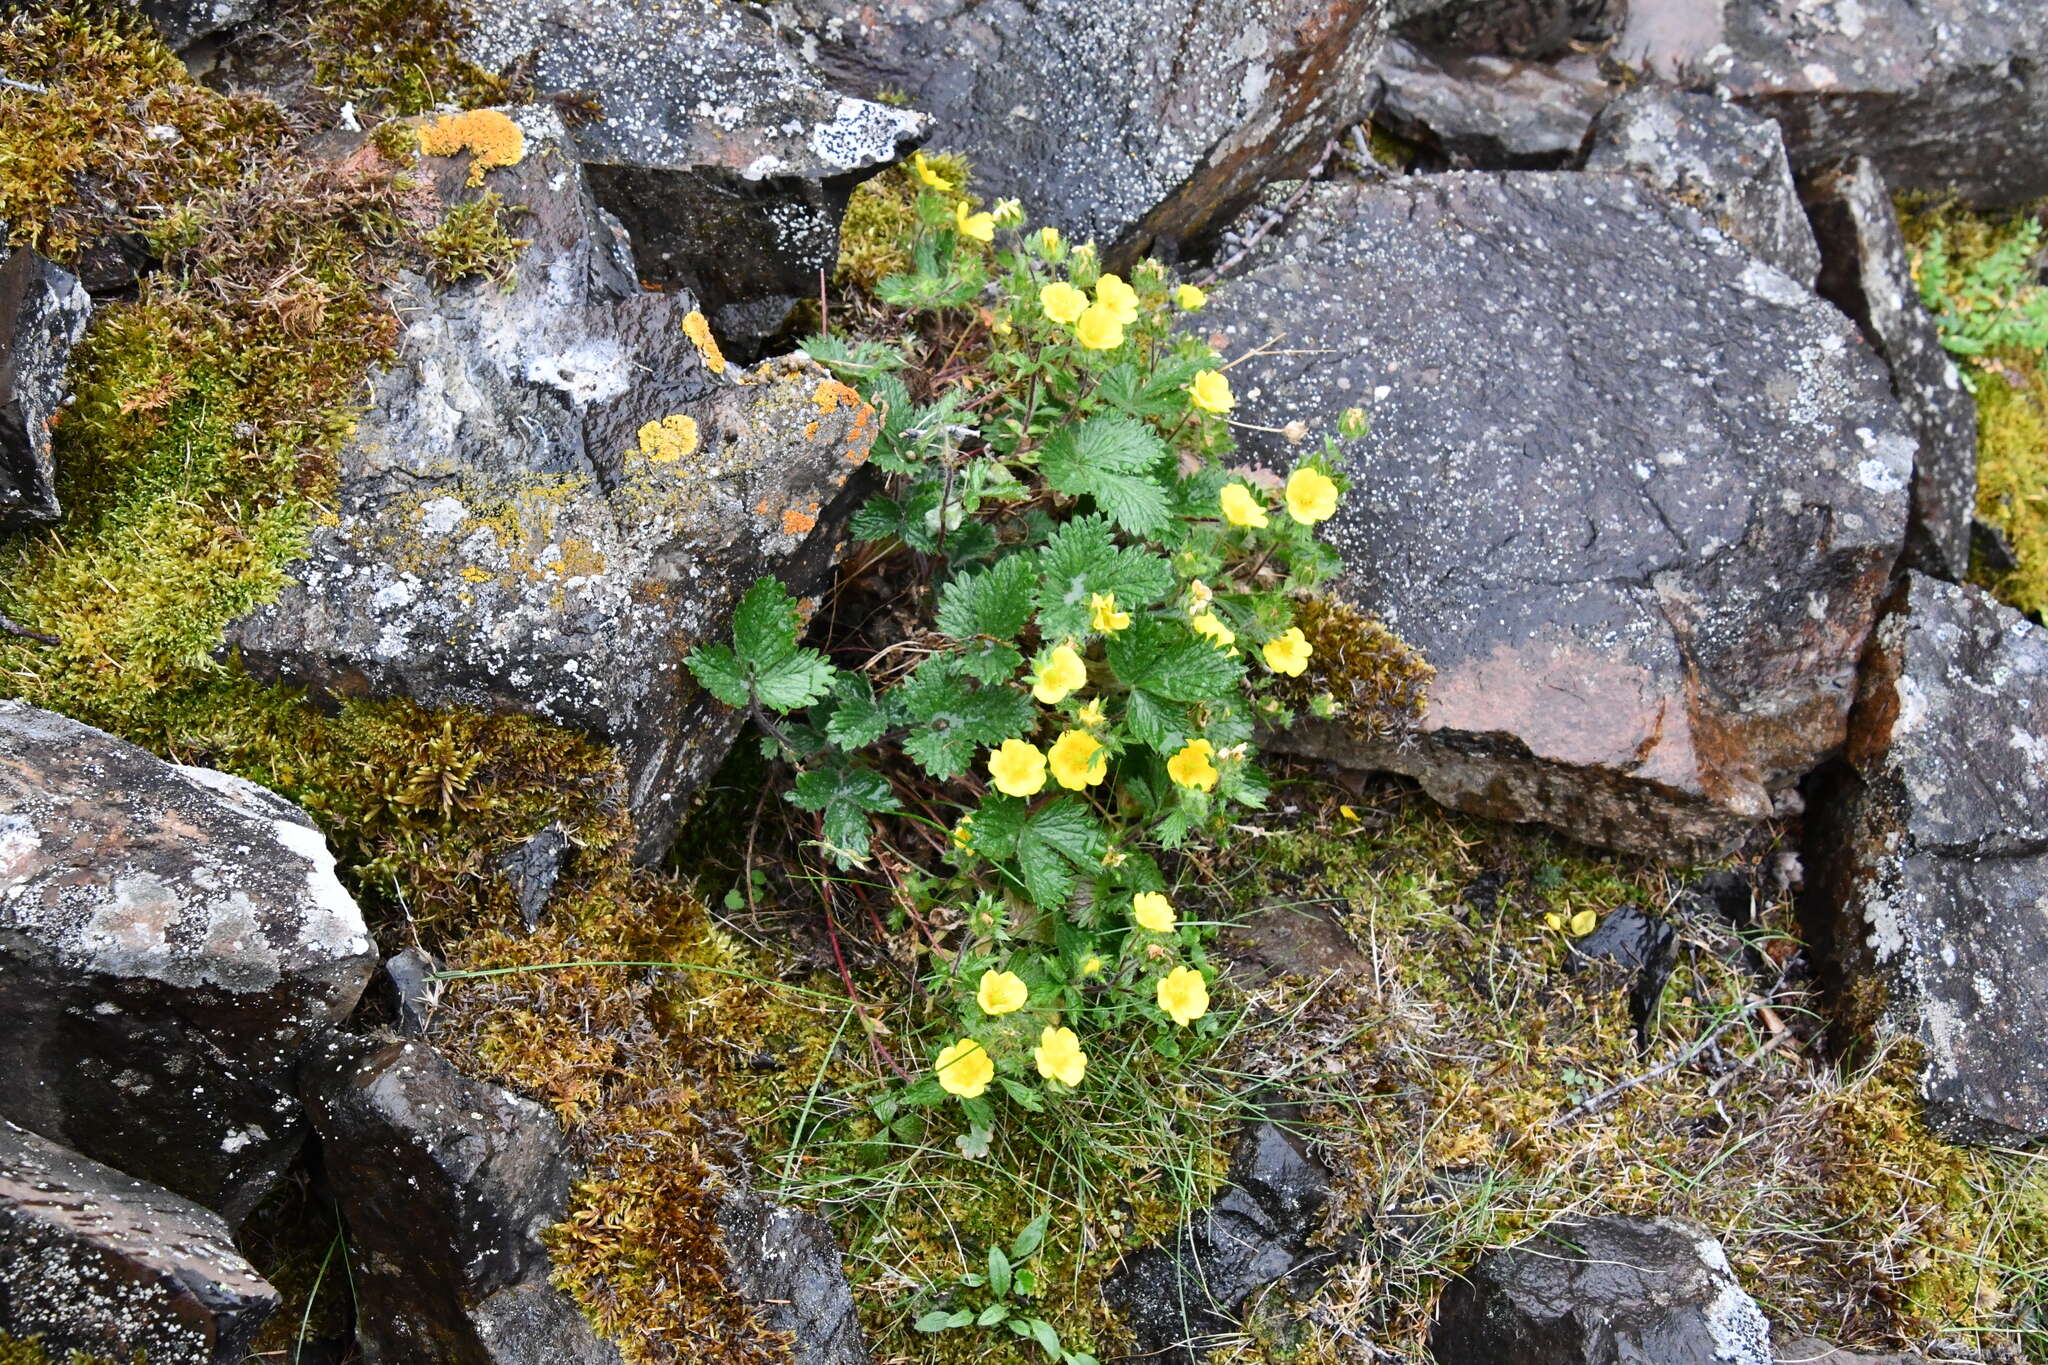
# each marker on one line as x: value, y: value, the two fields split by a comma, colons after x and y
x: 1059, y: 1056
x: 1152, y: 911
x: 1183, y: 995
x: 1241, y: 506
x: 1194, y: 766
x: 1348, y: 812
x: 1199, y: 596
x: 1288, y: 653
x: 1311, y: 496
x: 1583, y: 923
x: 1078, y: 760
x: 1099, y: 329
x: 1008, y: 213
x: 1119, y: 298
x: 1001, y: 993
x: 1103, y: 615
x: 965, y: 1068
x: 1210, y: 392
x: 980, y: 226
x: 1208, y: 624
x: 1091, y: 965
x: 1091, y: 714
x: 1049, y: 240
x: 1190, y: 298
x: 928, y: 173
x: 963, y: 834
x: 1061, y: 301
x: 1061, y: 673
x: 1018, y: 768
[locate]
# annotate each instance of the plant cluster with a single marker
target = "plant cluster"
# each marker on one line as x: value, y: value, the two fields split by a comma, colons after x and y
x: 1991, y: 300
x: 1107, y: 612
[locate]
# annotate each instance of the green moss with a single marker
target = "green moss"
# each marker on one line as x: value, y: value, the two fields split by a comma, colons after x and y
x: 473, y: 240
x: 881, y: 220
x: 29, y: 1351
x: 2012, y: 474
x: 1377, y: 679
x: 397, y: 57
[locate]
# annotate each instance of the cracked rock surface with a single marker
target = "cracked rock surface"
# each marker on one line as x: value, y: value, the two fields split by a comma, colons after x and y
x: 557, y: 492
x: 43, y: 312
x: 98, y: 1262
x: 171, y: 941
x: 1930, y: 846
x: 1633, y: 492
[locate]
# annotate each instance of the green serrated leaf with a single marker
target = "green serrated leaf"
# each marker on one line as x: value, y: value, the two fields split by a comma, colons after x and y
x: 1114, y: 460
x: 1081, y: 559
x: 847, y: 794
x: 953, y: 717
x: 794, y: 682
x: 719, y: 671
x: 860, y: 718
x: 1055, y: 839
x: 989, y: 662
x: 878, y: 519
x: 765, y: 623
x: 1172, y: 663
x: 995, y: 602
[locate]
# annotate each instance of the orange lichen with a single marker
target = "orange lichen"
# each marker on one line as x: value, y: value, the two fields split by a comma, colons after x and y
x: 699, y: 332
x: 831, y: 393
x: 492, y: 139
x: 670, y: 439
x: 797, y: 522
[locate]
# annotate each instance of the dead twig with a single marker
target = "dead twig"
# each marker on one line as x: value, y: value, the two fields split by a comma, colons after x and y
x: 10, y: 626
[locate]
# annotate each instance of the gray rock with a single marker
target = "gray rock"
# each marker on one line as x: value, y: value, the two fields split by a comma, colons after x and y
x: 171, y: 940
x: 786, y: 1263
x: 533, y: 869
x: 729, y: 165
x: 1181, y: 1299
x: 1512, y: 28
x: 1870, y: 277
x: 1940, y: 94
x: 1634, y: 493
x: 1603, y: 1291
x: 1722, y: 160
x: 415, y: 990
x: 98, y: 1262
x: 445, y: 1185
x: 512, y: 534
x: 184, y: 23
x: 43, y: 312
x: 1493, y: 112
x: 1928, y: 855
x: 1146, y: 125
x: 1808, y: 1351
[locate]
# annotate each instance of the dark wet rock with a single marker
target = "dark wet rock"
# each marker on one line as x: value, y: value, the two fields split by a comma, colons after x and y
x: 786, y: 1263
x: 1511, y: 28
x: 554, y: 496
x: 186, y: 22
x: 1928, y: 855
x: 1144, y: 126
x: 1990, y: 548
x: 533, y: 869
x: 1808, y: 1351
x: 43, y: 313
x: 415, y: 990
x: 1182, y: 1298
x: 1722, y: 160
x: 1639, y: 947
x: 1632, y: 492
x: 1941, y: 94
x: 1492, y: 112
x: 1602, y: 1291
x: 729, y: 165
x: 445, y: 1185
x: 98, y: 1262
x: 1869, y: 276
x: 171, y: 941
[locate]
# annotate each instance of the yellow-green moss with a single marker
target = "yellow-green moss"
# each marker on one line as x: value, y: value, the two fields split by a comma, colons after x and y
x: 473, y: 240
x: 1377, y: 679
x: 881, y: 220
x: 29, y: 1351
x: 396, y: 57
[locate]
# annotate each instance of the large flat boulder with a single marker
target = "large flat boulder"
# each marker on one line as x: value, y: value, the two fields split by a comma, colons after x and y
x: 1632, y: 491
x: 1940, y: 94
x: 1928, y: 852
x: 171, y: 942
x: 1143, y: 125
x: 101, y: 1263
x: 729, y: 164
x: 559, y: 489
x: 43, y: 312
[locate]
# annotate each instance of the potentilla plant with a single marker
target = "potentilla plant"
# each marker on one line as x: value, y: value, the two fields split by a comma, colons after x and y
x: 1110, y: 605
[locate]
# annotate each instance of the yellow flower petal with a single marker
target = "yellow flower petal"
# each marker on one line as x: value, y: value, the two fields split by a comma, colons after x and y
x: 1209, y: 624
x: 1059, y: 1056
x: 1152, y: 911
x: 980, y: 226
x: 1119, y: 298
x: 1311, y: 496
x: 1099, y: 329
x: 928, y: 173
x: 1189, y: 298
x: 1078, y: 760
x: 965, y: 1069
x: 1091, y: 714
x: 1061, y: 673
x: 1062, y: 302
x: 1183, y: 995
x: 1017, y: 769
x: 1194, y: 766
x: 1210, y: 392
x: 1103, y: 615
x: 1583, y: 923
x: 1241, y: 506
x: 1288, y: 653
x: 1001, y: 993
x: 1049, y: 240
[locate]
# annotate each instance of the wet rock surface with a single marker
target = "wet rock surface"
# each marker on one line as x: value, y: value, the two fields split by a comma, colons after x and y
x: 786, y: 1263
x: 1928, y: 852
x: 557, y: 493
x: 1639, y: 949
x: 43, y: 312
x: 1940, y: 94
x: 1181, y: 1299
x: 98, y: 1262
x: 1722, y: 160
x: 1633, y: 492
x: 1144, y: 126
x: 729, y: 165
x: 171, y: 941
x: 1603, y: 1291
x: 1869, y: 276
x: 1481, y: 109
x: 1809, y: 1351
x: 445, y: 1185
